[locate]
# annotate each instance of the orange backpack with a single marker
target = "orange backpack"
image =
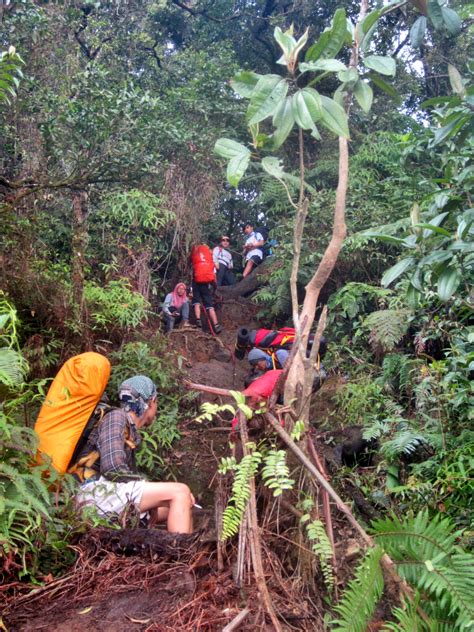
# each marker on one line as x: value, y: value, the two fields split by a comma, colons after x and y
x: 70, y: 402
x: 203, y: 265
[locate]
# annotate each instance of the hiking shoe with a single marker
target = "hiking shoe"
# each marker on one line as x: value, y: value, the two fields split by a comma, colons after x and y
x: 217, y: 328
x: 185, y: 325
x: 198, y: 323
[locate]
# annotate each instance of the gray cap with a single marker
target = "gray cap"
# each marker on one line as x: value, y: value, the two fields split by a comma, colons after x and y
x: 142, y: 384
x: 255, y: 355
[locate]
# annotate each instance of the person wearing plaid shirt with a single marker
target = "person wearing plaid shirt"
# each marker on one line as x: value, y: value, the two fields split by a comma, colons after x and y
x: 117, y: 484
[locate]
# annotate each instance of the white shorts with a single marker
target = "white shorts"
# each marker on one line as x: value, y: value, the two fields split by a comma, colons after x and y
x: 110, y: 497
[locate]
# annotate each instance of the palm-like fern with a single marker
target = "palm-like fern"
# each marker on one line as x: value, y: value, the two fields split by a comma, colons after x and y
x: 275, y: 472
x: 13, y: 367
x: 360, y: 598
x: 387, y: 327
x: 233, y: 513
x: 427, y: 557
x: 321, y: 547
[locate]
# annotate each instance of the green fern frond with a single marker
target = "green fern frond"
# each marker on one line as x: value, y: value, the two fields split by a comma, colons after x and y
x: 13, y: 367
x: 357, y: 606
x: 375, y: 430
x: 404, y: 442
x: 233, y: 513
x: 407, y: 619
x: 427, y: 557
x: 275, y: 472
x: 387, y: 327
x: 321, y: 547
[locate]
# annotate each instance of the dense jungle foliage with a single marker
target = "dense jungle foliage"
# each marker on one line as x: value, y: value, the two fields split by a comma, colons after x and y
x: 109, y: 115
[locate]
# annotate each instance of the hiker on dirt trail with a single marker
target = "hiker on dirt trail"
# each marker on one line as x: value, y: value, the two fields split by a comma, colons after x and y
x: 117, y: 484
x: 203, y: 279
x: 264, y: 361
x: 261, y: 362
x: 223, y: 262
x: 176, y: 307
x: 252, y: 249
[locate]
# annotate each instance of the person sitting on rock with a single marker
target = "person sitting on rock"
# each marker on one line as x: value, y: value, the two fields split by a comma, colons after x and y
x: 176, y: 307
x: 223, y: 262
x: 116, y: 484
x: 252, y: 249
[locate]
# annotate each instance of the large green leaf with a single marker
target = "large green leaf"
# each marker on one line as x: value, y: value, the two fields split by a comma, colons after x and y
x: 244, y: 83
x: 325, y: 65
x: 283, y: 120
x: 397, y: 270
x: 331, y: 41
x: 266, y: 97
x: 228, y: 148
x: 435, y: 14
x: 307, y: 107
x: 368, y: 28
x: 451, y: 19
x: 348, y: 75
x: 238, y: 156
x: 237, y: 167
x: 417, y: 31
x: 448, y: 282
x: 273, y: 167
x: 386, y: 87
x: 334, y: 117
x: 383, y: 65
x: 364, y: 95
x: 450, y: 129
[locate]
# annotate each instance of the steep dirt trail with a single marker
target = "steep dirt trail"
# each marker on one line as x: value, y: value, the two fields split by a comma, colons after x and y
x: 118, y: 594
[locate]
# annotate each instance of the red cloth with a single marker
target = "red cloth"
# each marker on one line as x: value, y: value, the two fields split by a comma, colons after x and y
x: 263, y: 386
x: 203, y: 265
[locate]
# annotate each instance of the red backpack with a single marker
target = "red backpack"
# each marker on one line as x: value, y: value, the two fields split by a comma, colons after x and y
x: 203, y: 265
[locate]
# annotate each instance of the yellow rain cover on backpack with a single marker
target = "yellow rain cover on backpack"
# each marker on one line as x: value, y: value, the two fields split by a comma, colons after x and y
x: 71, y: 400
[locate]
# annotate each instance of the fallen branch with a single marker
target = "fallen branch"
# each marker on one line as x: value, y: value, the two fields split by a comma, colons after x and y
x: 236, y: 621
x: 192, y: 386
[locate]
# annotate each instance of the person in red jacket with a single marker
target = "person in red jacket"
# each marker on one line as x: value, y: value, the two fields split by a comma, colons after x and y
x: 203, y: 278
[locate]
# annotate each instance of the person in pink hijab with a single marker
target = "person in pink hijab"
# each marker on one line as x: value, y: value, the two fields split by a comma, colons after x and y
x: 176, y: 307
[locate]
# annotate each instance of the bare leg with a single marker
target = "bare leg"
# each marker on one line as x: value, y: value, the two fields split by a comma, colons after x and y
x: 212, y: 315
x: 248, y: 268
x: 160, y: 514
x: 177, y: 497
x: 197, y: 310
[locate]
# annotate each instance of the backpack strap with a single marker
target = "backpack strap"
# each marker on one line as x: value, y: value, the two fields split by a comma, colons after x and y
x: 83, y: 470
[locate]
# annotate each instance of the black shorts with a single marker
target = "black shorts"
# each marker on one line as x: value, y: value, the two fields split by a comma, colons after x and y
x: 202, y: 293
x: 256, y: 259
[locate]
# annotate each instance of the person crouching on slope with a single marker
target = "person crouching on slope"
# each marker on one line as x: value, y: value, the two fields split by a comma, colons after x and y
x: 117, y: 483
x: 176, y: 307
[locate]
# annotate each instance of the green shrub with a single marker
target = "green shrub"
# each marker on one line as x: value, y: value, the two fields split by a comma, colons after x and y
x: 115, y: 306
x: 159, y: 365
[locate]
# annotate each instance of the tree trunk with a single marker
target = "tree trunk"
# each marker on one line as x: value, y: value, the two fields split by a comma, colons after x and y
x: 79, y: 243
x: 300, y: 378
